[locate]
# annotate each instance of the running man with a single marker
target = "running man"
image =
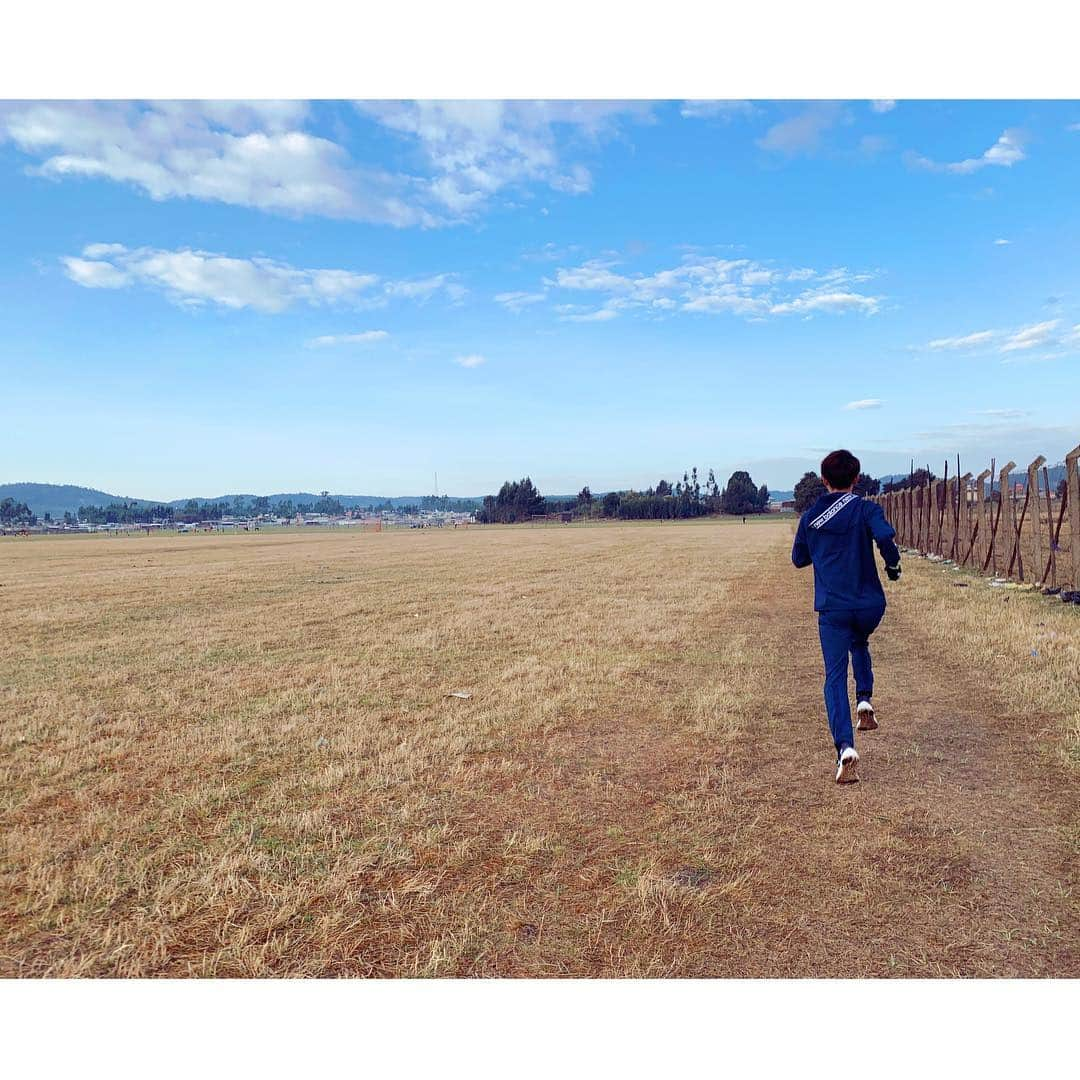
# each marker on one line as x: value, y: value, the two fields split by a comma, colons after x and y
x: 837, y: 535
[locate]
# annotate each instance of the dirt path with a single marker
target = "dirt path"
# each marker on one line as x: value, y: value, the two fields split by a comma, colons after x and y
x: 733, y: 853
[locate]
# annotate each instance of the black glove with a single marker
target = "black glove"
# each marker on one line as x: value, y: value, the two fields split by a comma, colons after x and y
x: 893, y: 572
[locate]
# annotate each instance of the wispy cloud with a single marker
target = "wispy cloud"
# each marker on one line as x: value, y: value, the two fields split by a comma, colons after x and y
x: 1002, y: 414
x: 802, y: 133
x: 716, y: 109
x: 1001, y: 242
x: 863, y: 403
x: 192, y: 278
x: 883, y: 105
x: 365, y: 337
x: 1006, y: 152
x: 713, y: 285
x: 828, y: 301
x: 967, y: 341
x: 518, y: 301
x: 473, y: 360
x: 604, y: 314
x: 475, y: 149
x: 1015, y: 345
x: 1031, y: 337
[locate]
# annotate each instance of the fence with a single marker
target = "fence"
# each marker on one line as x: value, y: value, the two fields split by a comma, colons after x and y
x: 1022, y: 531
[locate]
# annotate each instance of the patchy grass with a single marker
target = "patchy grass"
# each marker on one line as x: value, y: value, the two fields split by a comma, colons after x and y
x: 1025, y: 645
x: 237, y: 756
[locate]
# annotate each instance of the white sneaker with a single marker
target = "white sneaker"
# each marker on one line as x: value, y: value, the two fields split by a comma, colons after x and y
x: 845, y: 770
x: 866, y: 718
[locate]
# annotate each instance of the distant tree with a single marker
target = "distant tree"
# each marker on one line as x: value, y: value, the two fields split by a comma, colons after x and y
x: 260, y: 505
x: 325, y: 504
x: 919, y: 478
x: 866, y: 485
x: 517, y: 500
x: 1061, y: 488
x: 10, y: 510
x: 663, y: 488
x: 810, y: 488
x: 585, y: 497
x: 609, y: 504
x: 763, y: 498
x: 740, y: 494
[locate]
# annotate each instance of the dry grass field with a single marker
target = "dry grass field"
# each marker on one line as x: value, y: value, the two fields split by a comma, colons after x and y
x: 240, y: 756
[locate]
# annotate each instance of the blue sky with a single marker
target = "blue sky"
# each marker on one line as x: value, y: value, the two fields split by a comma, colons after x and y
x: 210, y: 297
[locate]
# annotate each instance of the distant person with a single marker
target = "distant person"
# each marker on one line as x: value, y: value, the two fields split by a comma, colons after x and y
x: 837, y: 535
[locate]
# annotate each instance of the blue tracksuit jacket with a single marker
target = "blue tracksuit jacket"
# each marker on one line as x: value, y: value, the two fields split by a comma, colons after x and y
x: 837, y: 534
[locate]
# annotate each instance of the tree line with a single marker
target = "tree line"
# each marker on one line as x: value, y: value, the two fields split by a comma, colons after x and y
x: 520, y: 500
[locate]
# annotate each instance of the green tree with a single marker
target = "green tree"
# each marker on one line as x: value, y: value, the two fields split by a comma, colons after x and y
x: 741, y: 495
x: 807, y: 491
x: 517, y: 500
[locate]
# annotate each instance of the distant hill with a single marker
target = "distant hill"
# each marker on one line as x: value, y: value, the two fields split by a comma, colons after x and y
x: 58, y: 499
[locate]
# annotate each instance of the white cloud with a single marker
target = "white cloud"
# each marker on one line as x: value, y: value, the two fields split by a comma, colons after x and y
x: 1017, y: 345
x: 1031, y: 337
x: 365, y: 337
x: 1001, y: 242
x: 603, y: 314
x: 968, y: 341
x: 518, y: 301
x: 264, y: 155
x: 1072, y: 127
x: 828, y: 301
x: 192, y: 278
x: 716, y: 109
x: 1002, y: 414
x: 1006, y: 152
x: 95, y: 275
x: 475, y: 149
x: 883, y: 105
x: 864, y: 403
x: 802, y: 133
x: 712, y: 285
x: 245, y: 154
x: 473, y: 360
x: 423, y: 288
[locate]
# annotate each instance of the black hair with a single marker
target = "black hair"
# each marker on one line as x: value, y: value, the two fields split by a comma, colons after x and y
x: 840, y: 469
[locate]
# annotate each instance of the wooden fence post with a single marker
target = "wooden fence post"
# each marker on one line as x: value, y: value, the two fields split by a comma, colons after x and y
x: 963, y: 518
x: 1036, y: 522
x: 1006, y: 514
x: 940, y: 501
x: 982, y: 537
x: 1072, y: 487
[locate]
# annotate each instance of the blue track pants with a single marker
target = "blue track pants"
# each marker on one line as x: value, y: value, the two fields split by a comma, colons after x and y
x: 843, y: 633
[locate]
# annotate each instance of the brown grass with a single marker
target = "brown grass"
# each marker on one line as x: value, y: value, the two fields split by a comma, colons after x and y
x: 232, y: 756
